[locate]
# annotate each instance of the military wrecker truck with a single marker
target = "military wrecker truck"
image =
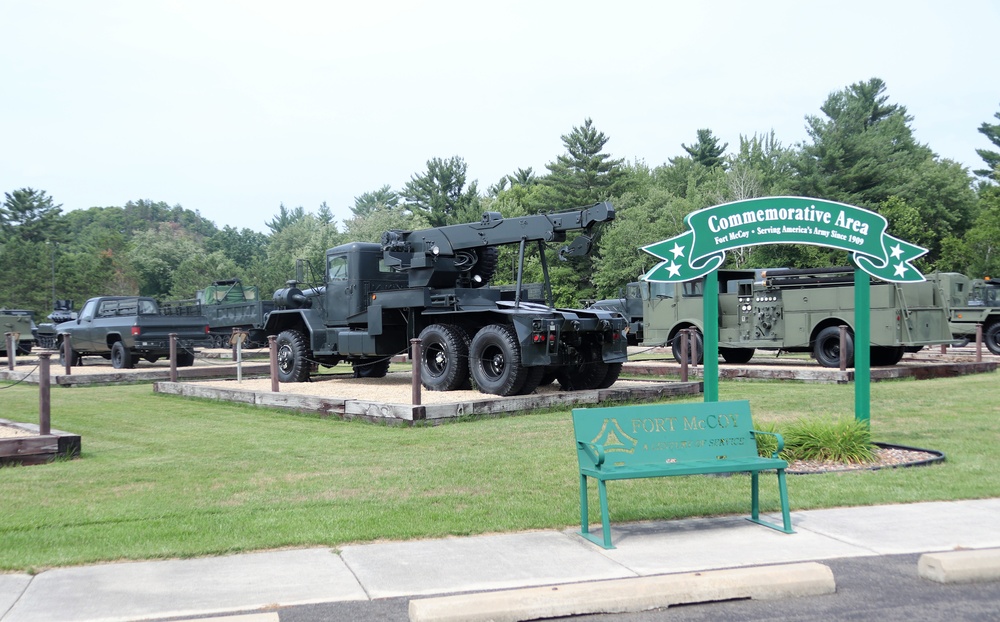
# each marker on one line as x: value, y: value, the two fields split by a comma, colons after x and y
x: 796, y: 310
x: 971, y: 302
x: 433, y: 284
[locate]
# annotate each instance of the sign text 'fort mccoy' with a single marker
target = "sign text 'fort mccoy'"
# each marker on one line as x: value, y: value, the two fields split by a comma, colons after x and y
x: 784, y: 220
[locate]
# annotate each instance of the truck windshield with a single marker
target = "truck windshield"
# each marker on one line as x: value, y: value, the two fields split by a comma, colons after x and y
x: 337, y: 268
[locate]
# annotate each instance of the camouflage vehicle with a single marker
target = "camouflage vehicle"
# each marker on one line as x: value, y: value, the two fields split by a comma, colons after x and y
x: 971, y: 302
x: 19, y: 321
x: 434, y: 284
x: 796, y: 311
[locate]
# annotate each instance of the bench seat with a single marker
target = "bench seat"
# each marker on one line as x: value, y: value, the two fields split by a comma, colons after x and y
x: 634, y: 442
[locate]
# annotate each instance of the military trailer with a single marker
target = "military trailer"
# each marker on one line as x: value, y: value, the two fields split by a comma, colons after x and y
x: 796, y: 311
x: 433, y: 284
x: 971, y: 302
x: 227, y: 304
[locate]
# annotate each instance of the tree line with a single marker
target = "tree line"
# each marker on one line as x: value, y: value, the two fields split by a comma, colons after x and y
x: 860, y: 150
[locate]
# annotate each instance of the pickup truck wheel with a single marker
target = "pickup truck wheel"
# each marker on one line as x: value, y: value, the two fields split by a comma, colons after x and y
x: 826, y: 348
x: 991, y: 337
x: 444, y: 357
x: 121, y: 358
x: 736, y: 356
x: 695, y: 342
x: 293, y: 365
x: 185, y: 358
x: 495, y: 359
x: 75, y: 359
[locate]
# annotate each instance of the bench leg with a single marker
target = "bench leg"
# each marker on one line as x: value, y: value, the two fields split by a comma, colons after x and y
x: 605, y: 540
x: 786, y: 518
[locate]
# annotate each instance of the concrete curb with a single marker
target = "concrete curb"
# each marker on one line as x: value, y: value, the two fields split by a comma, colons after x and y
x: 628, y: 595
x: 960, y: 566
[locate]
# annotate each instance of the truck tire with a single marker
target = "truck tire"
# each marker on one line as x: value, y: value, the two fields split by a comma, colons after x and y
x: 884, y: 356
x: 991, y: 337
x: 121, y: 358
x: 533, y: 379
x: 486, y: 265
x: 185, y: 358
x: 495, y: 361
x: 614, y: 370
x: 444, y: 357
x: 371, y: 368
x: 583, y: 377
x: 694, y: 342
x: 826, y: 348
x: 293, y: 363
x: 736, y: 356
x: 75, y: 360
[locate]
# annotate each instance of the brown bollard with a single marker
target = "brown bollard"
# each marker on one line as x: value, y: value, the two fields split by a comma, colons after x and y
x: 944, y: 348
x: 44, y: 401
x: 415, y: 384
x: 684, y: 355
x: 979, y: 343
x: 11, y: 352
x: 843, y: 347
x: 233, y: 341
x: 272, y: 347
x: 173, y: 357
x: 68, y: 352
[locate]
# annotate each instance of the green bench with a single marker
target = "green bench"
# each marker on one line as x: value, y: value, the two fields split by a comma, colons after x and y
x: 631, y: 442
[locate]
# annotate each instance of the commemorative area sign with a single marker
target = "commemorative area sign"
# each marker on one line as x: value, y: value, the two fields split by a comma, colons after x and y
x: 783, y: 220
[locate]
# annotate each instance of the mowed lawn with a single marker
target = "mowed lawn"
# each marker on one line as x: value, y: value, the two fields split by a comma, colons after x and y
x: 164, y: 476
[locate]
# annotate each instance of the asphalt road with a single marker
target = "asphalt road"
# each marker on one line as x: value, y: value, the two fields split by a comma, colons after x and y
x: 884, y: 588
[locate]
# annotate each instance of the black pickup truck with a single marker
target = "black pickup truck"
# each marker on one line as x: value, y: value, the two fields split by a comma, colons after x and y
x: 126, y: 329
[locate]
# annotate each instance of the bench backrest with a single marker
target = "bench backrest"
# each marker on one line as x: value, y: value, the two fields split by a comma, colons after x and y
x: 665, y: 433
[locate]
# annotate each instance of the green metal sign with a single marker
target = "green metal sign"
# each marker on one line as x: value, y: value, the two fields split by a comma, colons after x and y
x: 784, y: 220
x: 700, y: 251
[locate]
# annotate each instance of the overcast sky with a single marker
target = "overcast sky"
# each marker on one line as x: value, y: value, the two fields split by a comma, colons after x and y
x: 233, y: 108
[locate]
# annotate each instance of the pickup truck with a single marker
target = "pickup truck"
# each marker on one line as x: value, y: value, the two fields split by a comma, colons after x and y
x: 125, y: 329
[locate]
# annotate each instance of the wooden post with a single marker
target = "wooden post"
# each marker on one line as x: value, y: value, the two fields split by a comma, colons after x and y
x: 233, y: 341
x: 272, y: 348
x: 44, y: 401
x: 684, y: 355
x: 9, y: 339
x: 173, y: 357
x: 843, y: 347
x: 415, y: 384
x: 68, y: 352
x: 979, y: 343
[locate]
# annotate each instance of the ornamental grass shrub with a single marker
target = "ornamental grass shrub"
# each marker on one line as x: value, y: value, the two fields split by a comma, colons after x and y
x: 844, y: 440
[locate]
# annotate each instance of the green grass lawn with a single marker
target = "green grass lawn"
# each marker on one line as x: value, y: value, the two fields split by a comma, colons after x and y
x: 164, y: 476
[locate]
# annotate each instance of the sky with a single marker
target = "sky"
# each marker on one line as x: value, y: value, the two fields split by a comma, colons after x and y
x: 234, y: 108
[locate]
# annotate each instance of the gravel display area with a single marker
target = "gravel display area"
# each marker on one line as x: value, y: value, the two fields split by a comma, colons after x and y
x: 7, y: 431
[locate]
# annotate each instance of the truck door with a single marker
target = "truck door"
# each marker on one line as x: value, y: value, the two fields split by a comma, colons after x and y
x: 83, y: 334
x: 340, y: 289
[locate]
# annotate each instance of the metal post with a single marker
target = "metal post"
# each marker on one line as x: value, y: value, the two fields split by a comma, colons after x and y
x: 979, y: 343
x: 173, y: 357
x: 232, y: 341
x: 843, y: 347
x: 684, y: 355
x: 710, y: 343
x: 272, y: 348
x: 239, y: 355
x: 415, y: 384
x: 44, y: 401
x: 862, y: 347
x: 9, y: 340
x: 68, y: 352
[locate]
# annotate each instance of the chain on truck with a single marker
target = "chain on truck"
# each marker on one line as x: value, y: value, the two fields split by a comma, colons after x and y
x: 796, y: 310
x: 433, y: 284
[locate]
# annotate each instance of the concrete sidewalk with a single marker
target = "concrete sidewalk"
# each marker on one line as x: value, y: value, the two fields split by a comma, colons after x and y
x: 265, y: 581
